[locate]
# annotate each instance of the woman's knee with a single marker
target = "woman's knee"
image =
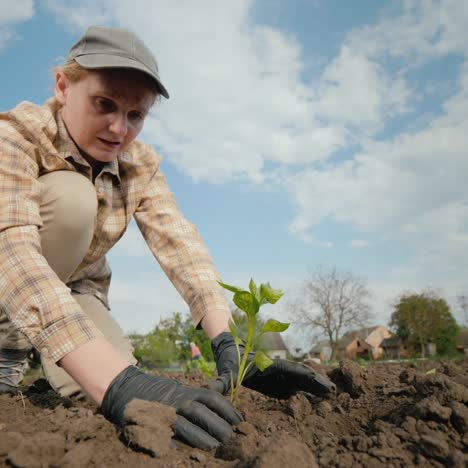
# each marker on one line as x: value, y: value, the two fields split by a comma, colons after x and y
x: 68, y: 212
x: 69, y: 202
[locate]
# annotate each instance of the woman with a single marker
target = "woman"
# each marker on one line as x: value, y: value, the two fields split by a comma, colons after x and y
x: 72, y: 174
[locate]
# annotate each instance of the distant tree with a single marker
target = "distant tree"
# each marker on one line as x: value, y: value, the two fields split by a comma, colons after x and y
x: 332, y: 301
x: 199, y: 337
x: 419, y: 319
x: 170, y: 341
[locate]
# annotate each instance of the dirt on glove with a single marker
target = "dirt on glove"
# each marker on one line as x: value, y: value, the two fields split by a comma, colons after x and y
x: 392, y: 415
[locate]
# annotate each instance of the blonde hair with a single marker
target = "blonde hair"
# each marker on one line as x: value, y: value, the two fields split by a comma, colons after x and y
x: 75, y: 72
x: 72, y: 70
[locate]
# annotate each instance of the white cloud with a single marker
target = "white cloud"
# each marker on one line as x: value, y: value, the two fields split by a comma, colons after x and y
x: 12, y: 13
x: 422, y: 30
x: 77, y: 15
x: 16, y: 12
x: 359, y: 93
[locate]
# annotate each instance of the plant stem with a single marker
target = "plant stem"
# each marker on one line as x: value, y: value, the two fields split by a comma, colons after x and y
x: 248, y: 346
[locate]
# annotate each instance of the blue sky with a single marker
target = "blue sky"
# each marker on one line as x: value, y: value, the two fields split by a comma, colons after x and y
x: 298, y: 134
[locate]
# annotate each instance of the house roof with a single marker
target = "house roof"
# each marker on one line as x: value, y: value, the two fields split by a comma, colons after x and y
x: 273, y: 341
x: 393, y: 341
x: 362, y: 333
x: 352, y: 335
x: 344, y: 341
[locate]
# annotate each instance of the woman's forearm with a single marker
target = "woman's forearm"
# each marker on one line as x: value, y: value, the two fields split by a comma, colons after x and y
x: 214, y: 324
x: 93, y: 366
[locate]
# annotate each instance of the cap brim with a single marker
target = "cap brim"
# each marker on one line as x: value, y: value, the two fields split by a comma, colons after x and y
x: 93, y: 61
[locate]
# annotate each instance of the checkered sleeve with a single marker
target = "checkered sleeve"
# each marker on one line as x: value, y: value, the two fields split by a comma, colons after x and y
x: 179, y: 249
x: 31, y: 295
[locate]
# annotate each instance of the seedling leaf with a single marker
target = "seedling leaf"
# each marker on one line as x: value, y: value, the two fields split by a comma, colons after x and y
x: 262, y: 361
x: 253, y: 288
x: 269, y: 294
x: 231, y: 288
x: 273, y: 325
x: 246, y: 302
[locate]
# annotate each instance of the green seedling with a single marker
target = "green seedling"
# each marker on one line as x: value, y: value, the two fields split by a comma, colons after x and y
x: 206, y: 367
x: 250, y: 302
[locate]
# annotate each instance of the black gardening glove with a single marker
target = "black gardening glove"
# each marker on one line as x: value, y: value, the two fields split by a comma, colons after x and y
x: 280, y: 380
x: 204, y: 417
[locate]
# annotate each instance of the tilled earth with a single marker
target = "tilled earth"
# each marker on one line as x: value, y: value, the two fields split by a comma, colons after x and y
x: 390, y: 415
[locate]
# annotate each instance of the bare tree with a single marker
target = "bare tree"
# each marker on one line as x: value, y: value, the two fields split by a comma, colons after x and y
x: 463, y: 303
x: 332, y: 301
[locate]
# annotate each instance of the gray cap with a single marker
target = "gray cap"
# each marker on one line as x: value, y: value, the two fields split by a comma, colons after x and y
x: 101, y: 47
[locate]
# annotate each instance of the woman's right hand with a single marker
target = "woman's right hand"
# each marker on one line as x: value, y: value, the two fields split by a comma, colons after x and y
x: 204, y: 417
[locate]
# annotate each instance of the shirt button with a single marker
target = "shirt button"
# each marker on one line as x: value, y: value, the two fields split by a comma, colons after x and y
x: 44, y: 352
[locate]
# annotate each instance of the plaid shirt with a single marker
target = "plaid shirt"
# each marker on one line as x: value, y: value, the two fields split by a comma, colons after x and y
x: 34, y: 141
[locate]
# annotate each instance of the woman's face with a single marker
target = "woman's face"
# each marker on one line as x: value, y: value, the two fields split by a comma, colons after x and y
x: 105, y: 111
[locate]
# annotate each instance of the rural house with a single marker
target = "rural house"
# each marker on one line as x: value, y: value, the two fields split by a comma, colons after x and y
x: 353, y: 346
x: 321, y: 350
x: 365, y: 342
x: 274, y: 346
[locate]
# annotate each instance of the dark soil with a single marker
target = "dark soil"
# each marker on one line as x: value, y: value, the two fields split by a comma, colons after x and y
x: 390, y: 415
